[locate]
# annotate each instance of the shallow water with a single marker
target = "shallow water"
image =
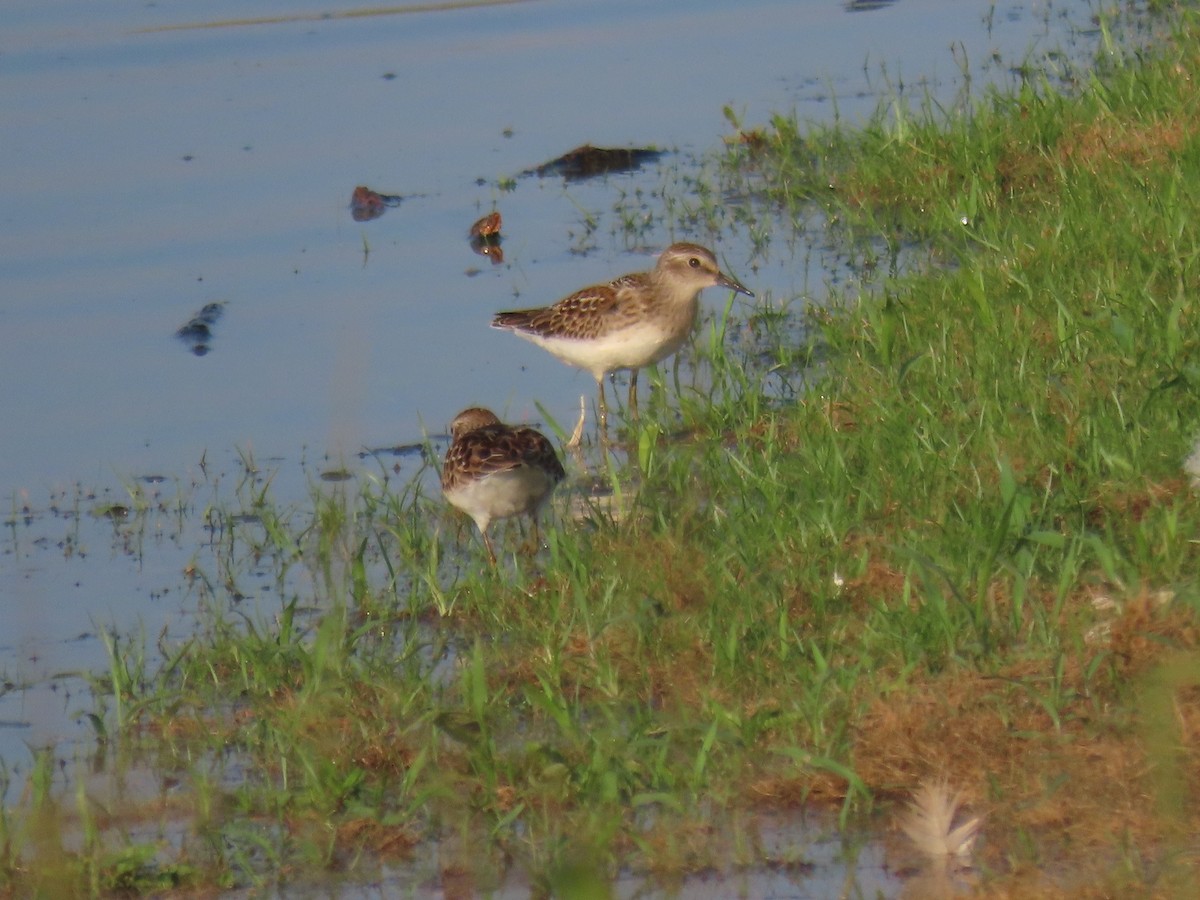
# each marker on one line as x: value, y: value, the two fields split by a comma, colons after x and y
x: 149, y: 173
x: 152, y: 167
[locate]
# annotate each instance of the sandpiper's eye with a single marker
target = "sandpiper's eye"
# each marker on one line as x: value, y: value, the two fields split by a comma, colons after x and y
x: 694, y: 263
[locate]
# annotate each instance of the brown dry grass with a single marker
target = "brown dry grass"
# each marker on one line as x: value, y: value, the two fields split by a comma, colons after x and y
x: 1093, y: 801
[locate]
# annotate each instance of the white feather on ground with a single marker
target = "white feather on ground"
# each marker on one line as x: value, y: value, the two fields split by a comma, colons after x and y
x: 1191, y: 465
x: 929, y: 824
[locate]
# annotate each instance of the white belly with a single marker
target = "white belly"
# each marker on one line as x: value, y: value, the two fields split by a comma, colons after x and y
x: 629, y: 348
x: 502, y: 494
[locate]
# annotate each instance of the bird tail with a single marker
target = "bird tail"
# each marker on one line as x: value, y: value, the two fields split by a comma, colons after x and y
x: 517, y: 319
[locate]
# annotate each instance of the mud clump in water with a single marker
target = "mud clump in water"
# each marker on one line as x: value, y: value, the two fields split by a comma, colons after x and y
x: 588, y: 161
x: 485, y: 237
x: 366, y: 204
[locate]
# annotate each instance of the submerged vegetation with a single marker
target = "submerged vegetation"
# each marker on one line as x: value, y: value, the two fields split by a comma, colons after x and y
x: 967, y: 553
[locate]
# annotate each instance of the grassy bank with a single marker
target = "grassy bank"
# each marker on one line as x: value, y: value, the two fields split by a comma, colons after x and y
x: 968, y: 553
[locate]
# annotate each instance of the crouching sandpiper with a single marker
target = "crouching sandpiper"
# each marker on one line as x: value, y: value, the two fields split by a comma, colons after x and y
x: 493, y: 471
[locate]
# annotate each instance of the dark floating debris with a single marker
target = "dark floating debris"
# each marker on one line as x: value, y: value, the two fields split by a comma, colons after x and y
x: 867, y: 5
x: 366, y: 204
x: 485, y: 237
x: 197, y: 331
x: 417, y: 450
x: 335, y: 475
x: 588, y: 161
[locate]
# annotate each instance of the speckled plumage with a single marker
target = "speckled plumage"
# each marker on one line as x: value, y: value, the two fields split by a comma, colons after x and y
x: 586, y: 314
x: 633, y: 321
x: 493, y: 471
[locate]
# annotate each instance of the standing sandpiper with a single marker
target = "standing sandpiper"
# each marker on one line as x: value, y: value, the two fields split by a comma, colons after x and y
x: 631, y: 322
x: 493, y: 471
